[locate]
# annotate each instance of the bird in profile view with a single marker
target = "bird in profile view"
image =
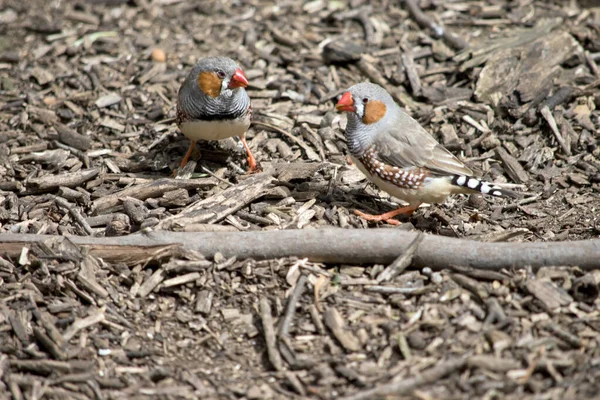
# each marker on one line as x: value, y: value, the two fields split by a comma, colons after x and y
x: 399, y: 156
x: 212, y: 104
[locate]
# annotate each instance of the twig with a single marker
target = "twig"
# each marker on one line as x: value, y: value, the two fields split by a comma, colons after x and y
x: 547, y: 114
x: 334, y: 245
x: 75, y: 214
x: 336, y: 325
x: 362, y: 16
x: 53, y: 349
x: 402, y: 262
x: 495, y: 313
x: 284, y: 328
x: 270, y: 336
x: 394, y: 290
x: 427, y: 23
x: 309, y: 151
x: 411, y: 72
x: 404, y: 386
x: 80, y: 324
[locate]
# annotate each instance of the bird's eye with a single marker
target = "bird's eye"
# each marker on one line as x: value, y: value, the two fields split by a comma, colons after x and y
x: 365, y: 100
x: 221, y: 74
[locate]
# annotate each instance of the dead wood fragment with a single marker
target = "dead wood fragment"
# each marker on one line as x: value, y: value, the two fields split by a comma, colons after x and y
x: 492, y: 363
x: 548, y: 293
x: 407, y: 385
x: 52, y: 331
x: 53, y: 349
x: 286, y: 321
x: 342, y: 51
x: 270, y: 335
x: 512, y: 166
x: 495, y: 313
x: 87, y: 229
x: 334, y: 321
x: 204, y: 302
x: 87, y: 277
x: 401, y: 263
x: 48, y: 183
x: 324, y: 245
x: 47, y: 367
x: 471, y: 285
x: 547, y: 114
x: 310, y: 153
x: 148, y: 286
x: 215, y: 208
x: 150, y: 190
x: 411, y: 72
x: 480, y: 274
x: 427, y: 23
x: 79, y: 324
x: 72, y: 138
x: 561, y: 333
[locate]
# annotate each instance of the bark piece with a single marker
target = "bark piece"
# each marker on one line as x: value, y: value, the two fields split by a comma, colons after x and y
x: 151, y: 190
x: 334, y: 321
x: 219, y: 206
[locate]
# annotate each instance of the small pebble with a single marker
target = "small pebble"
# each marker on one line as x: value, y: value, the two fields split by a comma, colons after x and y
x: 436, y: 278
x: 477, y: 201
x: 159, y: 55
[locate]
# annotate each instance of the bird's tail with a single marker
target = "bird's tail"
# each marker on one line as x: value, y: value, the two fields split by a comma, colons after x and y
x: 468, y: 184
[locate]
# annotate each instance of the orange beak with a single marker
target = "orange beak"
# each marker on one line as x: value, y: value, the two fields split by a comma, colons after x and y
x: 346, y: 103
x: 238, y: 80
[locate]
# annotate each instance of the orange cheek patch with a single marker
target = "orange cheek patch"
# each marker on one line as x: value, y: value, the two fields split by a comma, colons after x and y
x: 374, y: 111
x: 209, y: 83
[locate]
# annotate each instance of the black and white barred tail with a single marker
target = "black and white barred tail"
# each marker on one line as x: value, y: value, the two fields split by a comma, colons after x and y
x: 477, y: 185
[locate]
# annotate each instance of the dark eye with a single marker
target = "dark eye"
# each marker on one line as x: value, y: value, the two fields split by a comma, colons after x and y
x: 365, y: 100
x: 221, y: 74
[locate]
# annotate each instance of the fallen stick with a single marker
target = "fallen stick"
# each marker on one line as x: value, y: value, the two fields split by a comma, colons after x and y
x: 427, y: 23
x: 333, y: 245
x: 407, y: 385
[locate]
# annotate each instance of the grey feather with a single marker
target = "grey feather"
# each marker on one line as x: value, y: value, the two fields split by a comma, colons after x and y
x: 229, y: 104
x: 400, y: 140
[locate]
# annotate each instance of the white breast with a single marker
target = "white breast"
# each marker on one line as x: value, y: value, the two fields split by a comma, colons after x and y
x: 434, y: 190
x: 214, y: 130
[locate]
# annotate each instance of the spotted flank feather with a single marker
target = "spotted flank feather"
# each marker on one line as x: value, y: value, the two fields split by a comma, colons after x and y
x: 481, y: 186
x: 402, y: 178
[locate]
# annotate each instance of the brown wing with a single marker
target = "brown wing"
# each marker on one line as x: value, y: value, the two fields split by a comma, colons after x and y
x: 406, y: 144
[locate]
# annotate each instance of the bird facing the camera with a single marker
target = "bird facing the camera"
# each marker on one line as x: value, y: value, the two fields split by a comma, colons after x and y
x: 212, y: 104
x: 399, y: 156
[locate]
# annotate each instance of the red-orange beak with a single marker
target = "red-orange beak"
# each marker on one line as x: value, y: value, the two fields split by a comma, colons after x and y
x: 346, y: 103
x: 238, y: 80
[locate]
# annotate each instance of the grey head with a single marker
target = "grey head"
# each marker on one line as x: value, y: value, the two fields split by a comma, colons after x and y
x: 214, y: 89
x: 370, y: 109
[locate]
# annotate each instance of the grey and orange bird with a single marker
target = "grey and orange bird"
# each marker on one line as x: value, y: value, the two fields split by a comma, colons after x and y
x: 212, y: 104
x: 399, y: 156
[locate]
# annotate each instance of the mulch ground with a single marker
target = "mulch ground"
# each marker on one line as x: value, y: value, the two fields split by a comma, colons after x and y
x: 88, y: 144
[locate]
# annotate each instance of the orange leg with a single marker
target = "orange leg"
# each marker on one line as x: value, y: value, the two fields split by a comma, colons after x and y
x: 387, y: 217
x: 188, y: 154
x: 186, y: 157
x: 251, y: 160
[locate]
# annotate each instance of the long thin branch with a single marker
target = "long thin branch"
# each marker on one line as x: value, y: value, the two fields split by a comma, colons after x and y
x: 334, y: 245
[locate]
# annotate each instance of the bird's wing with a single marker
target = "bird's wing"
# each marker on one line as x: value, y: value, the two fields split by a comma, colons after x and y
x: 405, y: 144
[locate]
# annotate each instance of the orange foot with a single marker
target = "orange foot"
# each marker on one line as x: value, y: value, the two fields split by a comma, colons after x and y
x: 251, y: 160
x: 387, y: 217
